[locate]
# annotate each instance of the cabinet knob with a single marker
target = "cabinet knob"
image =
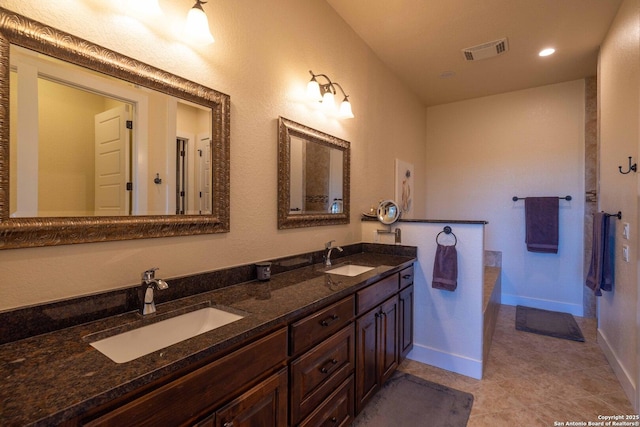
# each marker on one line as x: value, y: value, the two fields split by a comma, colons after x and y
x: 329, y: 320
x: 325, y: 369
x: 334, y: 420
x: 228, y: 424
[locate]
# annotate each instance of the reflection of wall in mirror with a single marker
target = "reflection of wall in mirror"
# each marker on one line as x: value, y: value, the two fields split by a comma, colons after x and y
x: 296, y: 175
x: 317, y: 167
x: 65, y: 152
x: 52, y: 168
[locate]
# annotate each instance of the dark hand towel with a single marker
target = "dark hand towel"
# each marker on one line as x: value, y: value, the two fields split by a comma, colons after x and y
x: 445, y: 268
x: 600, y: 275
x: 541, y: 216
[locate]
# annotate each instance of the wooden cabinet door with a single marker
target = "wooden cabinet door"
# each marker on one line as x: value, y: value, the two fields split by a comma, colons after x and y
x: 265, y: 405
x: 405, y: 330
x: 367, y: 366
x: 388, y: 340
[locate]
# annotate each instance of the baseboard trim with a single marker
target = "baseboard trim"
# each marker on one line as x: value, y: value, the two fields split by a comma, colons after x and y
x: 574, y: 309
x: 626, y: 381
x: 451, y: 362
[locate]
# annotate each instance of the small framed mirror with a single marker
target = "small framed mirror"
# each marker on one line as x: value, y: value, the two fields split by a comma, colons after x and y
x: 313, y: 177
x: 388, y: 212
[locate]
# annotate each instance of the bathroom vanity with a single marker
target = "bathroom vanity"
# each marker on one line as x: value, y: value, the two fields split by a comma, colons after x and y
x: 311, y: 347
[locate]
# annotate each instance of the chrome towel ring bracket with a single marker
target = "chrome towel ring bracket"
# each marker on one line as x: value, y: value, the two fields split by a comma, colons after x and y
x: 447, y: 230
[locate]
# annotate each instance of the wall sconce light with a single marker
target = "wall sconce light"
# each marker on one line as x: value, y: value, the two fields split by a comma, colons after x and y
x: 325, y: 94
x: 196, y: 28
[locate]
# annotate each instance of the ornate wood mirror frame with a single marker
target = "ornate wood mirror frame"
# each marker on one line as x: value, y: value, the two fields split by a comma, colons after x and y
x: 40, y: 231
x: 287, y: 218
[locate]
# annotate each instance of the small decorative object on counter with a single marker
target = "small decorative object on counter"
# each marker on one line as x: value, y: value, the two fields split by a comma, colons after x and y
x: 263, y: 270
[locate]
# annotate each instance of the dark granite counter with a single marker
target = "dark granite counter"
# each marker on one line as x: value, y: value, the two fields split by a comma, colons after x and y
x: 49, y: 378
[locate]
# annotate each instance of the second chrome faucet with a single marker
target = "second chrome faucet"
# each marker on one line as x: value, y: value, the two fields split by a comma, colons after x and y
x: 145, y: 293
x: 327, y: 255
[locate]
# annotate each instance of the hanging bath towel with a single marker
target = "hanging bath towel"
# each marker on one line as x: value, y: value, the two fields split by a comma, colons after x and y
x: 445, y: 268
x: 600, y: 275
x: 541, y: 217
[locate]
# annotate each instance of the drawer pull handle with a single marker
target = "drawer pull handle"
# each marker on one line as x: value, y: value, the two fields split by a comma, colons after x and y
x: 407, y: 276
x: 325, y: 368
x: 329, y: 320
x: 228, y: 424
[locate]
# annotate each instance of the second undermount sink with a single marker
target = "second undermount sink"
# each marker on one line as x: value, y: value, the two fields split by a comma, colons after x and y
x: 350, y: 270
x: 138, y: 342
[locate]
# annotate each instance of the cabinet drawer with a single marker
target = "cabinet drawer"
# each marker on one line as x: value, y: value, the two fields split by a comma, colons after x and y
x: 319, y: 371
x: 406, y: 277
x: 373, y: 295
x: 189, y: 396
x: 337, y: 410
x: 315, y: 328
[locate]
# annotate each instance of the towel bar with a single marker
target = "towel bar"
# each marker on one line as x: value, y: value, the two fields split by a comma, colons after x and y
x: 617, y: 215
x: 516, y: 198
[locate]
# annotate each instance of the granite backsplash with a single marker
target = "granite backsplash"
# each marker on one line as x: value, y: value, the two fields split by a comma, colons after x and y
x: 39, y: 319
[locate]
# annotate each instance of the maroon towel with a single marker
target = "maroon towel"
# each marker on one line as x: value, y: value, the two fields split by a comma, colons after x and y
x: 445, y: 268
x: 541, y: 218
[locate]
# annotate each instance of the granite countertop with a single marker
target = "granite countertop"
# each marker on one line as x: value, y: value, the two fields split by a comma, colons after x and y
x: 49, y: 378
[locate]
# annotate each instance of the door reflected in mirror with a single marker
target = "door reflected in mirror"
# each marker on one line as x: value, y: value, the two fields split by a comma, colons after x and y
x: 87, y: 144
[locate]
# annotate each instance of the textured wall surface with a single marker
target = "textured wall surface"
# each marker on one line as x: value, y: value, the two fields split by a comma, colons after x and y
x: 261, y: 58
x: 619, y: 88
x: 482, y: 152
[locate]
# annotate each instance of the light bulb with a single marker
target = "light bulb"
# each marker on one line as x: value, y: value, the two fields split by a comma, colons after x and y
x: 196, y: 28
x: 313, y: 90
x: 328, y: 101
x: 345, y: 109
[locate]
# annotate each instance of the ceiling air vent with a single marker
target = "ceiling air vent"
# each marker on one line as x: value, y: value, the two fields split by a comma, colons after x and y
x: 486, y: 50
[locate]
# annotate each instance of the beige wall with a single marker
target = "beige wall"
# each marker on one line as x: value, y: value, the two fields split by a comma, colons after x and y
x: 66, y: 153
x: 619, y: 89
x: 261, y: 58
x: 484, y: 151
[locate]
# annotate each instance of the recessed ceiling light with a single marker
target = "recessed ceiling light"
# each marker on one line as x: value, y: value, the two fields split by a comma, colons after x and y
x: 546, y: 52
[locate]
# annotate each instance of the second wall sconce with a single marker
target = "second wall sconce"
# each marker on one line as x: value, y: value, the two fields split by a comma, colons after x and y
x: 325, y: 94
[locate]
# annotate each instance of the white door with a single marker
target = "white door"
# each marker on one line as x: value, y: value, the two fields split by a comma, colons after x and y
x: 112, y: 140
x: 204, y: 175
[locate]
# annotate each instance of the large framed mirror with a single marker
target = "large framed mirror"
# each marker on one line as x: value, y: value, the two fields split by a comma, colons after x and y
x: 313, y: 177
x: 97, y: 146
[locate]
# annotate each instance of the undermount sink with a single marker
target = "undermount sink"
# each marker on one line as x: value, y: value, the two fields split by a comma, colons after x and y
x: 350, y: 270
x: 138, y: 342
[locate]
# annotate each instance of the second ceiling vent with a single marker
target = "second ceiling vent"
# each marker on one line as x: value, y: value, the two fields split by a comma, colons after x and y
x: 486, y: 50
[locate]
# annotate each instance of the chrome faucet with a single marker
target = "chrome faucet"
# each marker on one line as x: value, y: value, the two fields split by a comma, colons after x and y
x: 149, y: 283
x: 328, y: 247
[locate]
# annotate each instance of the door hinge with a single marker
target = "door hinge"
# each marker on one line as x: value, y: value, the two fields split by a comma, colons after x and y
x: 129, y: 124
x: 129, y: 186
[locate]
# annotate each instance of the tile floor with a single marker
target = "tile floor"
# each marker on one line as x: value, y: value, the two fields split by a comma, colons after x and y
x: 535, y: 380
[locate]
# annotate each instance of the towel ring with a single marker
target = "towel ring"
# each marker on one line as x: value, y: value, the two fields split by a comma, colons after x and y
x: 447, y: 230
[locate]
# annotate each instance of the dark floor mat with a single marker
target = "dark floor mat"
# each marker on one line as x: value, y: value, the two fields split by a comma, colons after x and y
x: 545, y: 322
x: 406, y: 400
